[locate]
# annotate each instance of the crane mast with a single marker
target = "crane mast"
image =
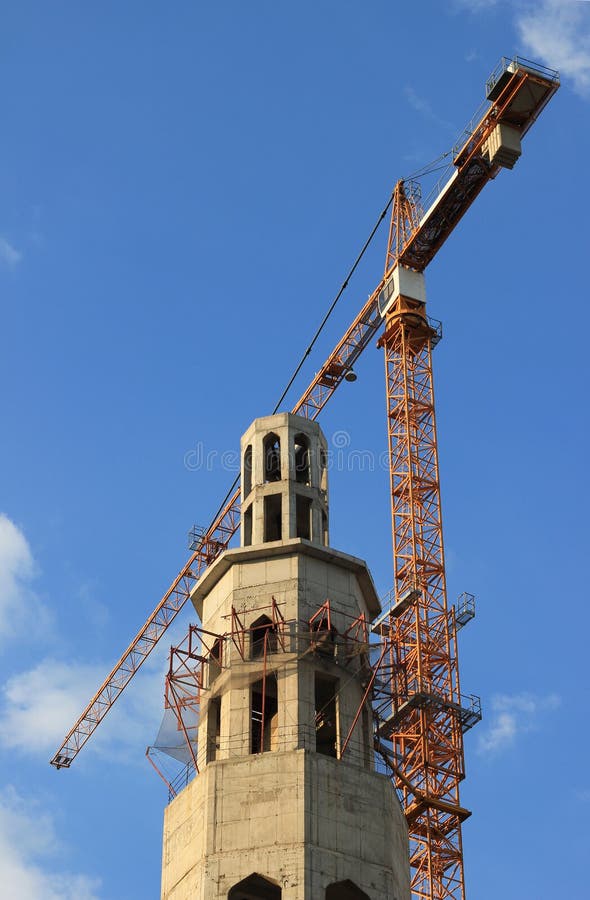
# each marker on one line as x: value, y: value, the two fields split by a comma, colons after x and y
x: 425, y: 722
x: 423, y: 714
x: 428, y: 714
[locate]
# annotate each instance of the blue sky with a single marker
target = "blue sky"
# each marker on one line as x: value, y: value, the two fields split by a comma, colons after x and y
x: 184, y: 186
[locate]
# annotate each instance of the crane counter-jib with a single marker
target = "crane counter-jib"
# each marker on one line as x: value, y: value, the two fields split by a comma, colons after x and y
x: 518, y: 92
x: 439, y: 197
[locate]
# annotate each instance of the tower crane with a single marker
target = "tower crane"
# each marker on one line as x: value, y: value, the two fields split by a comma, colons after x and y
x: 427, y: 713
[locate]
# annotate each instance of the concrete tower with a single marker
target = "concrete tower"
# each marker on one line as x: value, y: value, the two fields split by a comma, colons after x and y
x: 287, y: 804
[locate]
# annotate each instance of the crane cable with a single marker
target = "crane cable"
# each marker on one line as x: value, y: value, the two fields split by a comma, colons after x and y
x: 430, y: 167
x: 317, y: 334
x: 419, y: 173
x: 334, y: 302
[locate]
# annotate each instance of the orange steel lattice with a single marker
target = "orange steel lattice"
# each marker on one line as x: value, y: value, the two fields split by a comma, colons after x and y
x: 423, y: 727
x: 184, y: 684
x: 182, y: 694
x: 415, y: 683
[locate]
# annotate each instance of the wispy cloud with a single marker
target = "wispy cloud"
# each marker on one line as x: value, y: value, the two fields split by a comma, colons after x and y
x: 40, y: 705
x: 20, y: 606
x: 9, y: 255
x: 513, y: 715
x: 557, y: 32
x: 475, y: 5
x: 554, y: 32
x: 422, y: 106
x: 29, y: 854
x: 96, y: 612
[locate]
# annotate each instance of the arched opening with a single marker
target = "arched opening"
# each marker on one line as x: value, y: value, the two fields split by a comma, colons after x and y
x: 248, y: 526
x: 247, y: 487
x: 272, y: 458
x: 255, y: 887
x: 260, y: 631
x: 264, y: 708
x: 213, y: 728
x: 324, y: 529
x: 273, y: 517
x: 302, y: 463
x: 345, y: 890
x: 326, y: 715
x: 303, y: 517
x: 323, y: 470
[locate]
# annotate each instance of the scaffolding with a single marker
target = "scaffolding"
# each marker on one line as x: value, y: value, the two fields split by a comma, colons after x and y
x: 368, y: 654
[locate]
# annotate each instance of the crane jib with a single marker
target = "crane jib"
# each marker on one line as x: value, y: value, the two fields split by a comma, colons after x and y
x: 517, y: 92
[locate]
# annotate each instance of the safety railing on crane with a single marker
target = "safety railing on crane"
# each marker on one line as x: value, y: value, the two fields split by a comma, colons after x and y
x: 505, y: 68
x: 509, y: 65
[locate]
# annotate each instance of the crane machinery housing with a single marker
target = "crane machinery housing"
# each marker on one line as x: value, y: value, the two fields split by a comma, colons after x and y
x: 421, y: 714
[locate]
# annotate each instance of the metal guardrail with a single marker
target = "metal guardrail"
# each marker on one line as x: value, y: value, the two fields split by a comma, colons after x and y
x: 423, y: 695
x: 511, y: 63
x: 464, y: 609
x: 183, y: 778
x: 467, y: 133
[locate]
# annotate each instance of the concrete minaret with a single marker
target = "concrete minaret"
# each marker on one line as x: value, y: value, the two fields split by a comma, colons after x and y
x: 287, y: 804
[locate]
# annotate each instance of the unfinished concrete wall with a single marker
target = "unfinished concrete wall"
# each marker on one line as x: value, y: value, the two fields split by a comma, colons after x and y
x: 300, y: 578
x: 300, y: 820
x: 250, y: 819
x: 355, y: 830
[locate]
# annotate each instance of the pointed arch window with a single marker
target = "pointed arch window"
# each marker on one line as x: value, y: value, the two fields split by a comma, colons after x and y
x: 323, y: 470
x: 272, y: 458
x: 302, y: 459
x: 261, y: 631
x: 247, y: 471
x: 255, y: 887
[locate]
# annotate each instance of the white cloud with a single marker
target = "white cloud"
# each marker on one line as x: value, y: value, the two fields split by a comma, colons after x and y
x: 9, y: 255
x: 513, y: 715
x: 475, y: 5
x: 16, y: 559
x: 28, y: 848
x: 20, y: 607
x: 501, y: 733
x: 557, y: 32
x: 554, y: 32
x: 40, y: 705
x: 421, y: 105
x: 97, y: 613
